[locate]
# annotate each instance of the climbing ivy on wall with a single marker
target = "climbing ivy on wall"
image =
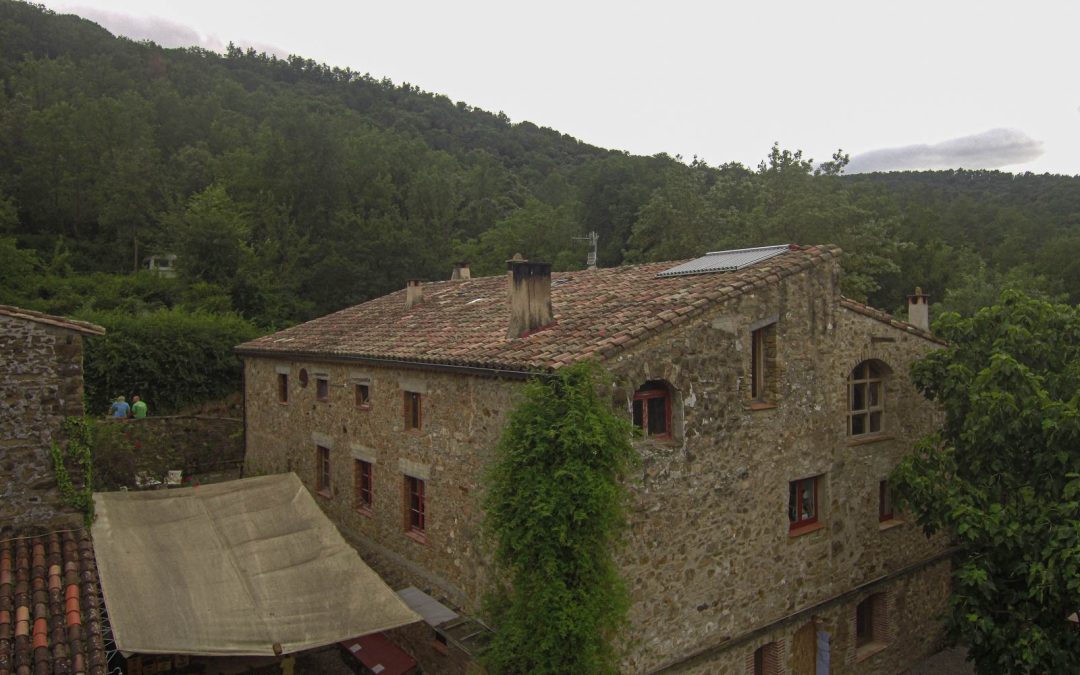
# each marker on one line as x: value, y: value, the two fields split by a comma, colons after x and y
x: 555, y: 506
x: 79, y: 432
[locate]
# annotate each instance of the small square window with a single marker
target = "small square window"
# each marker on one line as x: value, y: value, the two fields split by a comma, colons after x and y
x: 803, y: 502
x: 412, y: 410
x: 652, y: 409
x: 363, y: 477
x: 322, y: 470
x: 363, y: 396
x: 282, y: 388
x: 415, y: 507
x: 322, y: 389
x: 885, y: 506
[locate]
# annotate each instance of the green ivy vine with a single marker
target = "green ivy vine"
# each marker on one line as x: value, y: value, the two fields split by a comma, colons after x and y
x: 79, y: 432
x: 555, y: 505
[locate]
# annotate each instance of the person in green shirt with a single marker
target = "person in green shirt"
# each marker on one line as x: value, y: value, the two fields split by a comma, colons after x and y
x: 138, y: 408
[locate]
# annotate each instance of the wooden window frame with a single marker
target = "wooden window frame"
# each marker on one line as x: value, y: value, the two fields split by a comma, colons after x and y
x: 322, y: 471
x: 886, y: 512
x: 866, y: 377
x: 413, y: 411
x: 799, y: 486
x: 761, y: 374
x: 322, y: 388
x: 283, y: 388
x: 415, y: 520
x: 363, y: 395
x: 644, y: 396
x: 364, y: 486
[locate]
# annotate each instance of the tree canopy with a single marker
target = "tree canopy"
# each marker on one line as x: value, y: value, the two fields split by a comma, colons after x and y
x: 1003, y: 476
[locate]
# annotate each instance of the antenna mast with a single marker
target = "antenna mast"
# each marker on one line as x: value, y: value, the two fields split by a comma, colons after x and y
x: 592, y: 238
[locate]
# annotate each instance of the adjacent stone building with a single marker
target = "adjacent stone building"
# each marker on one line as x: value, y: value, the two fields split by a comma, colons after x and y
x: 762, y: 535
x: 41, y: 383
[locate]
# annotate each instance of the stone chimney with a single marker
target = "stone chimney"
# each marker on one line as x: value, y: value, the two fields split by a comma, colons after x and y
x: 530, y: 296
x: 414, y: 293
x: 918, y: 309
x: 461, y: 271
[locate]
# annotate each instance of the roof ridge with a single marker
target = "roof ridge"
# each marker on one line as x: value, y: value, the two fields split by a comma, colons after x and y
x: 887, y: 318
x: 51, y: 319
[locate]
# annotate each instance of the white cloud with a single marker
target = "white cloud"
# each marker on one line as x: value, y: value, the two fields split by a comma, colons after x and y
x: 988, y: 150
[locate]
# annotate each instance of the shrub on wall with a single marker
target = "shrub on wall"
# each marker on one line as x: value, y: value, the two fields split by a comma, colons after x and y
x: 171, y: 358
x: 555, y: 505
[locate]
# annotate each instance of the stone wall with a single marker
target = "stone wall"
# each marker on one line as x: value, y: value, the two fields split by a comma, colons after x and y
x: 194, y: 444
x: 709, y: 555
x: 710, y: 552
x: 40, y: 384
x: 461, y: 421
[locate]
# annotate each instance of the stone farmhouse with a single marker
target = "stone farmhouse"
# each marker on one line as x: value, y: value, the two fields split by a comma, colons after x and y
x: 41, y: 383
x: 50, y: 606
x: 762, y: 537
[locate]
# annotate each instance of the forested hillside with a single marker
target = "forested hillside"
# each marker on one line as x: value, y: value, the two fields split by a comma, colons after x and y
x: 289, y: 189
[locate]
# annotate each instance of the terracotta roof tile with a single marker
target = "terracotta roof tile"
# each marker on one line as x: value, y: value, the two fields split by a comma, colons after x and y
x: 49, y: 606
x: 84, y: 327
x: 464, y: 322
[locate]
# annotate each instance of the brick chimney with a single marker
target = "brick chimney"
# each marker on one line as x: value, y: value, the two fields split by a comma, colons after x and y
x: 461, y: 271
x: 918, y: 309
x: 530, y: 296
x: 414, y: 293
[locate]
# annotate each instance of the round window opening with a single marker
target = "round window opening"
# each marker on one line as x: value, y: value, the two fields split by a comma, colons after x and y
x: 303, y: 377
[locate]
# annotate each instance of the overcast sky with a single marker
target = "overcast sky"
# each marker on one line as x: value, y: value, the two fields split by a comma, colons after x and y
x: 898, y: 85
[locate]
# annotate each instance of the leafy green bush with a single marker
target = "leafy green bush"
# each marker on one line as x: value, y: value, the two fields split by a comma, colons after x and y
x: 171, y: 358
x: 555, y: 507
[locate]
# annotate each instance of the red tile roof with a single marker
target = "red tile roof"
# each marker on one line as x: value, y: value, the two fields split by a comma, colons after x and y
x: 84, y: 327
x: 50, y: 621
x: 598, y: 313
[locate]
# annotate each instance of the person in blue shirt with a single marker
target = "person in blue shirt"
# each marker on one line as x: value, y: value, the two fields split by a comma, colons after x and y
x: 120, y: 408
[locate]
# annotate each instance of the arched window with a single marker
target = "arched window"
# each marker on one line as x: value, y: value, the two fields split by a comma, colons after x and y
x: 652, y: 409
x: 866, y: 398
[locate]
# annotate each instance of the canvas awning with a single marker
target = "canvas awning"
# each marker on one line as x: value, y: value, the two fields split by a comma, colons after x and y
x: 233, y: 568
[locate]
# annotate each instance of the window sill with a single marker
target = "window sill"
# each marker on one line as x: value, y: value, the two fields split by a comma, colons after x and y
x: 805, y: 529
x: 889, y: 524
x: 364, y: 406
x: 761, y: 405
x: 364, y: 511
x: 868, y: 438
x: 868, y: 650
x: 324, y: 493
x: 416, y: 536
x: 283, y: 403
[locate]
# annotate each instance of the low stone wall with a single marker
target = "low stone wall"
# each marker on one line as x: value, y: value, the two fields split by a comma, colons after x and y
x: 195, y: 444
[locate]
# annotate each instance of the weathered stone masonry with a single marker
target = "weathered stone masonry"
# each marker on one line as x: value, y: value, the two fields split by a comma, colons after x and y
x: 714, y: 570
x: 41, y: 383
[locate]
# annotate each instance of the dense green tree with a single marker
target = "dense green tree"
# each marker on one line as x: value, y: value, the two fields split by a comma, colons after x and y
x: 1003, y: 477
x: 555, y: 505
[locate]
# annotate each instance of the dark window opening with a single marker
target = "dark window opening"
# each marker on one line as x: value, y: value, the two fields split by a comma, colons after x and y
x: 866, y: 399
x: 652, y: 409
x: 282, y: 388
x: 415, y: 508
x: 363, y: 477
x: 412, y: 410
x: 322, y: 470
x: 363, y: 395
x: 322, y: 389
